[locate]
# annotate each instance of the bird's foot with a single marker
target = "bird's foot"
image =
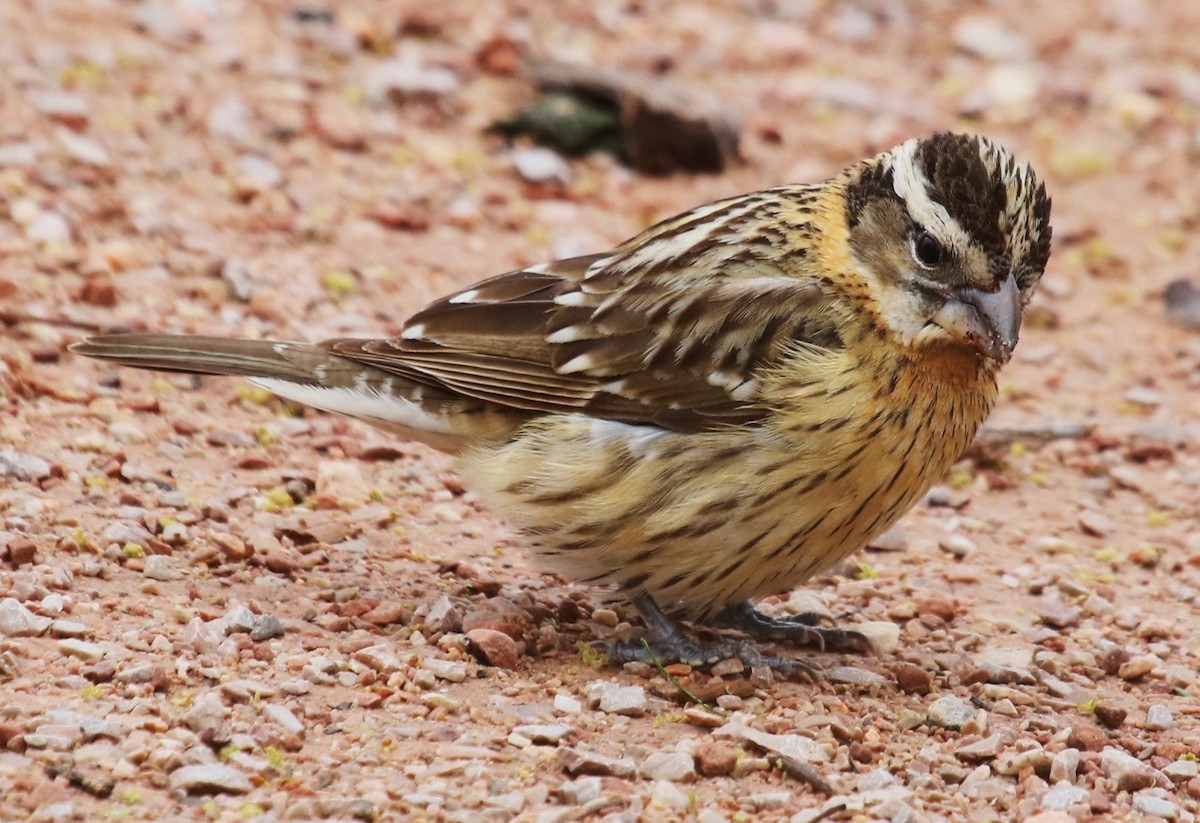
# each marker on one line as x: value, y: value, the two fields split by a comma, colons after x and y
x: 801, y: 630
x: 669, y: 644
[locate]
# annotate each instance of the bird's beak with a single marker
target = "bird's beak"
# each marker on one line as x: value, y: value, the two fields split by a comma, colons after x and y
x: 988, y: 320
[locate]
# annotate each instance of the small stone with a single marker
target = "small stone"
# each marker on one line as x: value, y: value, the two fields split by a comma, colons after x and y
x: 913, y: 679
x: 958, y: 545
x: 883, y: 635
x: 581, y: 791
x: 453, y: 671
x: 544, y: 734
x: 541, y: 165
x: 1064, y: 766
x: 244, y: 690
x: 893, y: 540
x: 1137, y: 667
x: 1061, y: 797
x: 381, y: 658
x: 496, y: 648
x: 990, y: 38
x: 1155, y: 806
x: 626, y: 700
x: 69, y: 109
x: 580, y: 761
x: 950, y: 712
x: 69, y: 628
x: 673, y: 766
x: 1095, y: 524
x: 403, y: 79
x: 1109, y: 715
x: 715, y: 758
x: 1180, y: 771
x: 18, y: 621
x: 20, y: 551
x: 983, y: 749
x: 1144, y: 396
x: 282, y: 717
x: 84, y: 150
x: 565, y: 704
x: 1158, y: 717
x: 386, y: 614
x: 267, y: 627
x: 666, y: 795
x: 210, y: 779
x: 1182, y: 300
x: 81, y: 649
x: 1087, y: 737
x: 855, y: 676
x: 796, y: 746
x: 1130, y: 774
x: 23, y: 467
x: 139, y: 673
x: 1037, y: 759
x: 1054, y: 612
x: 161, y: 567
x: 443, y: 616
x: 605, y: 617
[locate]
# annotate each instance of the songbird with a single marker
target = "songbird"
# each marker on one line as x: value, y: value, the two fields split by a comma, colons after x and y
x: 719, y: 408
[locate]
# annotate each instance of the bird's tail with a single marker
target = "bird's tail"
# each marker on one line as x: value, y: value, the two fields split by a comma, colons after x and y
x: 294, y: 362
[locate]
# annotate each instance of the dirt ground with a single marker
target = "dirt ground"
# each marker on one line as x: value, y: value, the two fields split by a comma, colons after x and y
x: 217, y: 607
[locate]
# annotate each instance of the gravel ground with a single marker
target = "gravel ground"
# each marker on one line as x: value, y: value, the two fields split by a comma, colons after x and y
x: 217, y: 607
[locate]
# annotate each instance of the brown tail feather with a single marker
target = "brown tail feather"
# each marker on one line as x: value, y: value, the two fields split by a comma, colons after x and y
x: 296, y: 362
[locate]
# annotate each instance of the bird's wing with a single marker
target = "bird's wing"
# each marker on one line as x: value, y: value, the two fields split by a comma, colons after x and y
x: 673, y: 328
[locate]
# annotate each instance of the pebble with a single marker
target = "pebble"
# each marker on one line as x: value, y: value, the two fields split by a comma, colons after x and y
x: 1155, y: 806
x: 715, y: 758
x: 913, y: 679
x: 565, y: 704
x: 1056, y: 613
x: 1087, y: 736
x: 798, y: 746
x: 1037, y: 759
x: 401, y: 79
x: 580, y: 791
x: 981, y: 749
x: 581, y: 761
x: 49, y: 227
x: 1137, y: 667
x: 1062, y: 797
x: 229, y: 119
x: 451, y: 670
x: 894, y: 539
x: 990, y: 38
x: 496, y: 648
x: 84, y: 149
x: 626, y: 700
x: 541, y: 165
x: 69, y: 628
x: 243, y: 690
x: 18, y: 621
x: 883, y: 635
x: 1095, y: 524
x: 950, y: 712
x: 1109, y: 715
x: 443, y: 616
x: 267, y: 627
x: 1129, y: 773
x: 1064, y: 766
x: 545, y: 733
x: 1182, y: 770
x: 161, y: 567
x: 669, y: 796
x: 1158, y: 717
x: 81, y: 649
x: 673, y: 766
x: 854, y: 676
x: 21, y: 466
x: 282, y: 717
x: 210, y: 779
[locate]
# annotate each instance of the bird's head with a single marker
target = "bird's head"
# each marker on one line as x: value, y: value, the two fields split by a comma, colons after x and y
x: 950, y: 235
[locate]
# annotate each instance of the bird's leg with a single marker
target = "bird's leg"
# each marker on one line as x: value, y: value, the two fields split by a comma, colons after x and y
x: 668, y: 643
x: 801, y: 630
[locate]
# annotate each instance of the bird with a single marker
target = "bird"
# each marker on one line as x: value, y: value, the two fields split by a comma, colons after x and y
x: 721, y: 407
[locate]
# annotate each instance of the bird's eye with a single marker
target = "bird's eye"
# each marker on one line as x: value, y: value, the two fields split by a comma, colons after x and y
x: 927, y: 250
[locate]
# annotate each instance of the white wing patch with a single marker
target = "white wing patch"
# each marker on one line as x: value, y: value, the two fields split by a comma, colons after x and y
x: 363, y: 403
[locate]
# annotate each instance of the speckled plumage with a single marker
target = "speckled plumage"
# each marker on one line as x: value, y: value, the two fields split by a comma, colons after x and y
x: 724, y: 405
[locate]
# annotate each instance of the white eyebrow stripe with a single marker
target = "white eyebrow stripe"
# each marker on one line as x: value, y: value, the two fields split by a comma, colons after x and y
x: 910, y: 185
